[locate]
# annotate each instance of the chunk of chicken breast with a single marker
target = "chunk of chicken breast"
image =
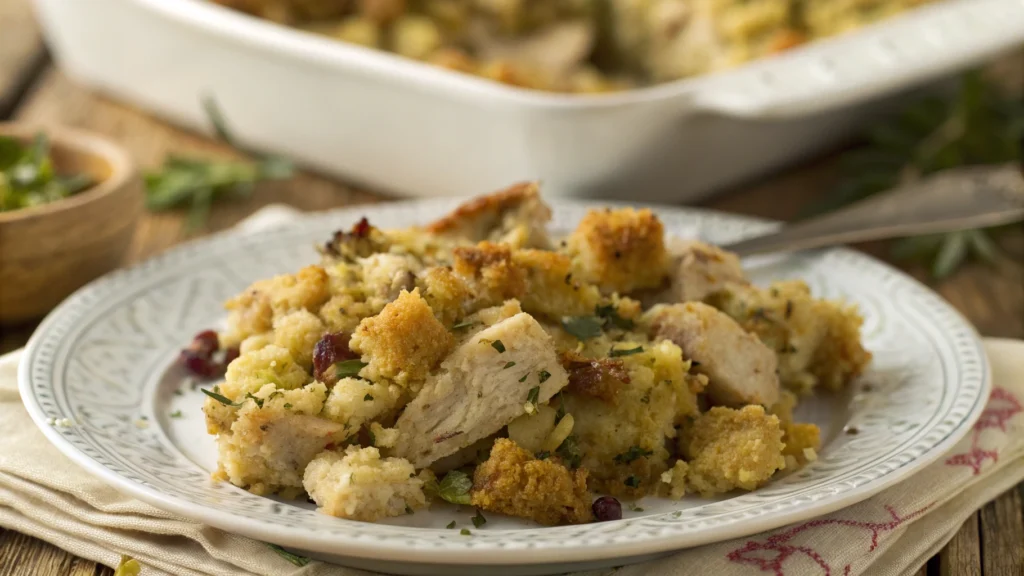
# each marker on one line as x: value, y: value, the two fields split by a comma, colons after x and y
x: 515, y: 216
x: 740, y: 369
x: 697, y: 271
x: 482, y: 386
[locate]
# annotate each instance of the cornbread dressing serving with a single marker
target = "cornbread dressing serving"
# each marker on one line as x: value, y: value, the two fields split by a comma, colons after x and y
x: 581, y: 46
x: 478, y: 361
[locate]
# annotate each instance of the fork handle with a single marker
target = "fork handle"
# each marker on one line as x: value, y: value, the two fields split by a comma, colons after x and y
x: 954, y: 200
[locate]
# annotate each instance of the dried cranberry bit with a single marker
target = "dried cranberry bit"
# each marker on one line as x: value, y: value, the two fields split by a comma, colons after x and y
x: 205, y: 343
x: 203, y: 366
x: 329, y: 350
x: 362, y: 228
x: 607, y: 508
x: 230, y: 354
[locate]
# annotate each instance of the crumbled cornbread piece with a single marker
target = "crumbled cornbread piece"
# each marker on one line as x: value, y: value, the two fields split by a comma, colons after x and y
x: 620, y: 250
x: 513, y: 482
x: 253, y: 311
x: 673, y: 480
x: 402, y: 343
x: 360, y: 485
x: 356, y: 401
x: 798, y: 436
x: 732, y: 449
x: 298, y: 332
x: 268, y: 365
x: 515, y: 216
x: 269, y: 445
x: 816, y: 341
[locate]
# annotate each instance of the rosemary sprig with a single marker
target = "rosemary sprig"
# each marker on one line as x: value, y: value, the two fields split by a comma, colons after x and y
x: 979, y: 125
x: 198, y: 182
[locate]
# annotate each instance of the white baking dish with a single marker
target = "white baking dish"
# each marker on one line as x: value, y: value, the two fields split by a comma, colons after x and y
x: 415, y: 130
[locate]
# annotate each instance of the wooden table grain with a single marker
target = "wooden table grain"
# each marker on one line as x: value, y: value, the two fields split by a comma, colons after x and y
x: 31, y: 89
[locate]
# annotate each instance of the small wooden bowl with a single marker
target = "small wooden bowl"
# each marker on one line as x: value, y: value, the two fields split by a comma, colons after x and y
x: 49, y: 251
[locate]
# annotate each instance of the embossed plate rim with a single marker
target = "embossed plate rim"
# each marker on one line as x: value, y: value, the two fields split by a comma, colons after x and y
x: 497, y: 547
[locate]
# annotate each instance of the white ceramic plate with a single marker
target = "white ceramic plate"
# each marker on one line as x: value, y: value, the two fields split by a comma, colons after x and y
x: 105, y: 359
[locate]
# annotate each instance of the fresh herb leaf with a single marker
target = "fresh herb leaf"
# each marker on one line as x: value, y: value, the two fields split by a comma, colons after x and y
x: 287, y: 406
x: 629, y: 352
x: 368, y: 398
x: 611, y: 315
x: 979, y: 125
x: 465, y: 532
x: 176, y: 414
x: 533, y: 395
x: 479, y: 519
x: 295, y: 559
x: 543, y: 455
x: 582, y: 327
x: 257, y: 400
x: 543, y: 375
x: 222, y: 399
x: 408, y: 510
x: 464, y: 324
x: 348, y: 368
x: 198, y: 183
x: 450, y: 525
x: 455, y: 487
x: 508, y: 365
x: 497, y: 345
x: 632, y: 482
x: 633, y: 453
x: 569, y: 450
x: 28, y: 176
x: 373, y: 437
x: 525, y: 376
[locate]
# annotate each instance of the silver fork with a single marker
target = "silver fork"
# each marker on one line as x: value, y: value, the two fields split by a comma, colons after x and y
x: 952, y: 200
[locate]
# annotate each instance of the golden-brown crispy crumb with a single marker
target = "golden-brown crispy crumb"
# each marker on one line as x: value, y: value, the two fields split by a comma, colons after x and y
x: 513, y: 482
x: 514, y: 216
x: 598, y: 377
x: 620, y: 250
x: 541, y: 280
x: 732, y: 449
x: 446, y: 293
x: 402, y: 343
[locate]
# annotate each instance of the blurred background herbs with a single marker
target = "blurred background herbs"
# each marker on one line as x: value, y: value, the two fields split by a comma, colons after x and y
x: 196, y: 183
x: 28, y: 177
x: 978, y: 125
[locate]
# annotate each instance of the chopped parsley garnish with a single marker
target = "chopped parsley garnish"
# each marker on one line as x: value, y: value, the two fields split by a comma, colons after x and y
x: 625, y: 352
x: 373, y: 438
x: 479, y: 519
x: 368, y: 398
x: 257, y: 400
x: 222, y: 399
x: 465, y: 532
x: 455, y: 487
x: 287, y: 406
x: 694, y: 363
x: 632, y: 482
x: 295, y: 559
x: 348, y: 368
x: 525, y: 376
x: 633, y: 453
x: 497, y: 345
x: 611, y: 314
x: 544, y: 455
x: 560, y: 413
x: 569, y: 450
x: 544, y: 375
x: 508, y: 365
x: 408, y: 510
x: 582, y: 327
x: 176, y: 414
x: 450, y: 525
x: 464, y: 324
x: 533, y: 395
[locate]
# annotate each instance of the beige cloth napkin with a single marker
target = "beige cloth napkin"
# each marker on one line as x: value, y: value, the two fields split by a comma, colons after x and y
x: 44, y: 494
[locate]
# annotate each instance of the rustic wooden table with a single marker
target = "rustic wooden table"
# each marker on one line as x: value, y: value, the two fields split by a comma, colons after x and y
x: 32, y: 89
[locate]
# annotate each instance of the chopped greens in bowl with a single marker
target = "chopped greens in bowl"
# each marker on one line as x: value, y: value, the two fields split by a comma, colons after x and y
x: 28, y: 176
